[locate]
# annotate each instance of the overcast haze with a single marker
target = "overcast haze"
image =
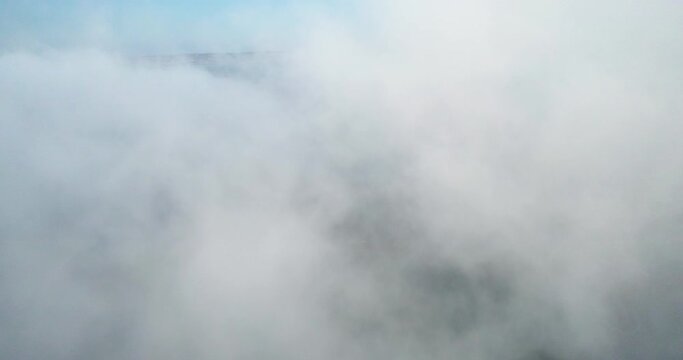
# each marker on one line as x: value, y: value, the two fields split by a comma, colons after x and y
x: 402, y: 179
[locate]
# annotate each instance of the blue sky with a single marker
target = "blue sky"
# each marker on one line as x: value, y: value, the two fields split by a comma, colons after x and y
x: 151, y: 25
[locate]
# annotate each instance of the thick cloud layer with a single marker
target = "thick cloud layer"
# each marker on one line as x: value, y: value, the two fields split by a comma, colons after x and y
x: 473, y: 180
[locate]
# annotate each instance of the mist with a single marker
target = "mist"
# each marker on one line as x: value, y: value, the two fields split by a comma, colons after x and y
x: 427, y: 180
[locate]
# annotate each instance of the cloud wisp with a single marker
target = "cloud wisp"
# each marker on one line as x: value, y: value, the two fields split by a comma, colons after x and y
x: 470, y: 180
